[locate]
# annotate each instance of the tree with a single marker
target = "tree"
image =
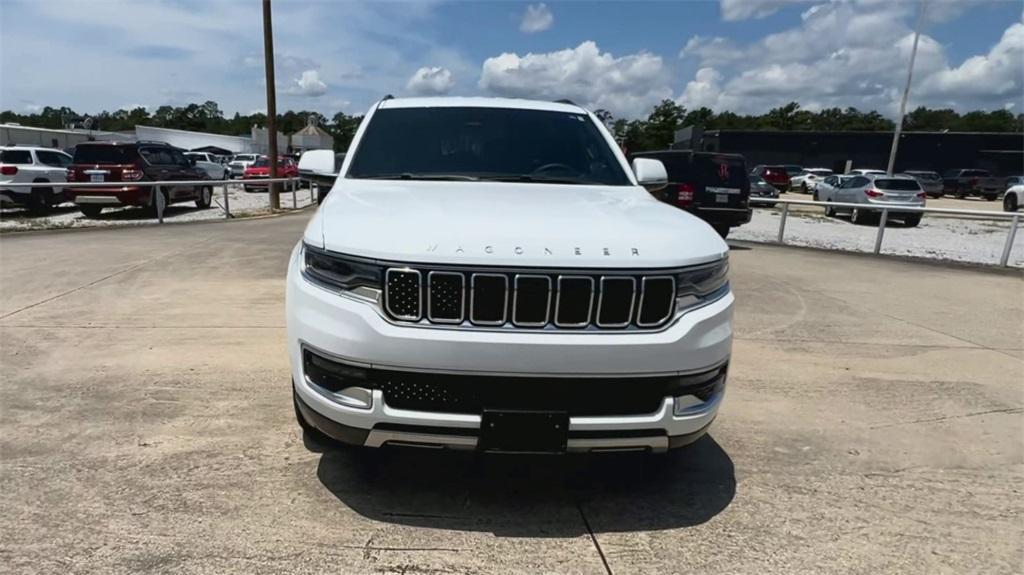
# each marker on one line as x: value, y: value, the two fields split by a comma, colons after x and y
x: 662, y: 124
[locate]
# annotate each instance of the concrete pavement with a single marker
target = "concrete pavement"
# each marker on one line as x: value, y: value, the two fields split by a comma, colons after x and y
x: 873, y: 424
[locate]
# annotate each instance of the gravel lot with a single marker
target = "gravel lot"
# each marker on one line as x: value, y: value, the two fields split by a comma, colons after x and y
x: 976, y: 241
x: 241, y: 204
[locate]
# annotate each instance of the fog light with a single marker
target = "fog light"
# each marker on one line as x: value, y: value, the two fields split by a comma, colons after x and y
x: 685, y: 404
x: 358, y: 397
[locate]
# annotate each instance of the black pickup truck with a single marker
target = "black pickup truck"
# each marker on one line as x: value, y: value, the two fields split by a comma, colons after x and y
x: 714, y: 187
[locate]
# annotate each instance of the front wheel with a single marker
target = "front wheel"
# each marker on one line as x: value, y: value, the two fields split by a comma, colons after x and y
x: 991, y: 197
x: 205, y: 197
x: 1010, y: 203
x: 912, y: 220
x: 830, y: 212
x: 803, y: 188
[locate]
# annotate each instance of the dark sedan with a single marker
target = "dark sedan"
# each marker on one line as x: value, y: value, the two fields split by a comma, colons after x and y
x: 759, y: 188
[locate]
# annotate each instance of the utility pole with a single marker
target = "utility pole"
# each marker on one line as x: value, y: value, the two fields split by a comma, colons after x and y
x: 906, y: 90
x: 268, y: 57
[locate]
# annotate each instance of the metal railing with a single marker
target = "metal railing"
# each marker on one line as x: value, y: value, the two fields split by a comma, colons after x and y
x: 1014, y: 218
x: 291, y: 185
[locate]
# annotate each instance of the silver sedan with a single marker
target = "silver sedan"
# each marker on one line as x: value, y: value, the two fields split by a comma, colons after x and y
x: 879, y: 190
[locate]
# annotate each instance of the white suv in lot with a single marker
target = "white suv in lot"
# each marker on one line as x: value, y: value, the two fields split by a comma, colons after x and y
x: 492, y: 274
x: 27, y: 165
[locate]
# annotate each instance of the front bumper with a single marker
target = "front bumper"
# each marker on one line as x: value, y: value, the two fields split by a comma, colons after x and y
x: 354, y: 332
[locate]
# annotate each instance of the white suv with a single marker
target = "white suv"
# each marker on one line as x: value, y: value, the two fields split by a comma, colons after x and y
x: 492, y: 274
x: 27, y: 165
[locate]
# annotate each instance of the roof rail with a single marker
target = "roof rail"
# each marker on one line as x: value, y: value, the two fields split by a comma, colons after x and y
x: 387, y: 97
x: 566, y: 101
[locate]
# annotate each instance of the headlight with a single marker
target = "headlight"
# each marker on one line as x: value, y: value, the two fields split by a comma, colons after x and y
x: 702, y: 284
x: 341, y: 272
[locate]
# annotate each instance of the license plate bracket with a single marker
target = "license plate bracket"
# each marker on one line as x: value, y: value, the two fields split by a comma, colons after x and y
x: 96, y: 177
x: 524, y: 431
x: 722, y: 198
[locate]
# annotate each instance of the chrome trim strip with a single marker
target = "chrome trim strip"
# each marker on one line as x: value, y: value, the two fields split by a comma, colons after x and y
x: 656, y: 443
x: 462, y: 297
x: 671, y: 305
x: 419, y: 296
x: 558, y: 301
x: 472, y: 298
x: 379, y: 437
x: 632, y: 302
x: 515, y: 301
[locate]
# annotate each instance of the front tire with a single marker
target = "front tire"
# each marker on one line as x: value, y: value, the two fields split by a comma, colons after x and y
x: 830, y: 212
x: 912, y: 220
x: 1010, y: 203
x: 991, y: 197
x: 205, y: 197
x: 803, y: 188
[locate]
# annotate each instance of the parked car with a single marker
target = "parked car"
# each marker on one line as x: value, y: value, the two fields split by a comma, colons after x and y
x: 714, y: 187
x: 239, y: 162
x: 807, y: 180
x: 1013, y: 199
x: 971, y: 182
x: 492, y: 274
x: 774, y: 175
x: 931, y: 182
x: 826, y: 188
x: 121, y: 164
x: 761, y: 189
x: 793, y: 169
x: 260, y: 170
x: 866, y: 172
x: 209, y: 164
x: 27, y: 165
x: 879, y: 190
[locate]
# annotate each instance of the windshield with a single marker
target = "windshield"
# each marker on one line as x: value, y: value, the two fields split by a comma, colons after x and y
x: 261, y: 163
x: 487, y: 144
x: 898, y: 185
x: 244, y: 158
x: 758, y: 180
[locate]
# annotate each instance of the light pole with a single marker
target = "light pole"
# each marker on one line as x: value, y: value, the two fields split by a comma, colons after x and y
x: 268, y: 63
x: 906, y: 90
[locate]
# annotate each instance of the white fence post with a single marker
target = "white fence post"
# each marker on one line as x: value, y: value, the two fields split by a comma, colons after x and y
x: 1005, y: 259
x: 881, y: 229
x: 782, y: 222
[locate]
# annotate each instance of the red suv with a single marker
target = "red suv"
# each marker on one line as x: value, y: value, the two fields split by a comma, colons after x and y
x: 774, y: 175
x: 124, y: 163
x: 260, y: 169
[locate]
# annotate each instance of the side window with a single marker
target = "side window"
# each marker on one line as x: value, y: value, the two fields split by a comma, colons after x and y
x: 54, y: 159
x: 177, y: 157
x: 153, y: 156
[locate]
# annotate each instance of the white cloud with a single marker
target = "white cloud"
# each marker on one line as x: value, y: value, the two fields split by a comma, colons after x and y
x: 33, y: 108
x: 703, y: 91
x: 430, y: 81
x: 733, y: 10
x: 309, y: 84
x: 834, y: 57
x: 537, y: 18
x: 626, y: 85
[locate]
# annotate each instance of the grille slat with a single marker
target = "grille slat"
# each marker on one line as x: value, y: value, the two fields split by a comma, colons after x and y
x: 529, y: 300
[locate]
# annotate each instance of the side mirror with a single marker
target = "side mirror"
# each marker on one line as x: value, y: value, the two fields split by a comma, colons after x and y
x: 318, y: 161
x: 650, y: 174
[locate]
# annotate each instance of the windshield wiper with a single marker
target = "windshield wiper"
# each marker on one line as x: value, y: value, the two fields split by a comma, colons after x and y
x: 535, y: 179
x: 412, y: 176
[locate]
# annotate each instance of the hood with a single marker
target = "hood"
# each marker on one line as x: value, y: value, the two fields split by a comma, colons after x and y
x: 510, y: 224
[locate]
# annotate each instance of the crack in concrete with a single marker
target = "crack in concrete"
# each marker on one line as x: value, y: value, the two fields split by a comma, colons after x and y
x: 1010, y: 410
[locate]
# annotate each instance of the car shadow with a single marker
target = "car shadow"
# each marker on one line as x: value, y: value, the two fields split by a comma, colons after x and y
x: 532, y: 496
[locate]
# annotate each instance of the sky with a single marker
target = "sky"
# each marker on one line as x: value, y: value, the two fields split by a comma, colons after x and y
x: 745, y: 56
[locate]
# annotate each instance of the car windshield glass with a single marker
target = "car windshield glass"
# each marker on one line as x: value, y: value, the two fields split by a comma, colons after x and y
x: 261, y: 163
x: 485, y: 143
x: 102, y: 155
x: 898, y: 185
x: 758, y: 180
x: 16, y: 157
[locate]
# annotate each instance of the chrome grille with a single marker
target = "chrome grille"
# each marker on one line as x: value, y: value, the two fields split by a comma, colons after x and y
x: 529, y: 299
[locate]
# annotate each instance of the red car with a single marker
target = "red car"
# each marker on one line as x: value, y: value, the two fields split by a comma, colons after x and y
x: 774, y: 175
x: 260, y: 169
